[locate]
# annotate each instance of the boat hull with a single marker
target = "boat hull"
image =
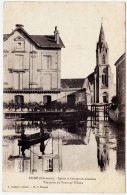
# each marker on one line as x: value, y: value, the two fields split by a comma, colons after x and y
x: 34, y: 140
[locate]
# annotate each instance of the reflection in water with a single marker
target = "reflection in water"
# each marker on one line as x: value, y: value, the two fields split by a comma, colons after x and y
x: 92, y: 144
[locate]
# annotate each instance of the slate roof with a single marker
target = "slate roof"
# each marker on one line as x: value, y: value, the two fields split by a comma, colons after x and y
x: 46, y: 41
x: 5, y: 36
x: 72, y: 83
x: 91, y: 78
x: 120, y: 58
x: 43, y: 41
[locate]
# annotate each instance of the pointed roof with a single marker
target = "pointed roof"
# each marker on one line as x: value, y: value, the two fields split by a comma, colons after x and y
x: 101, y: 35
x: 101, y: 42
x: 41, y: 41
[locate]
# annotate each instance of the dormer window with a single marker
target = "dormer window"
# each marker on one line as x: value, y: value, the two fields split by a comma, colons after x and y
x: 19, y: 44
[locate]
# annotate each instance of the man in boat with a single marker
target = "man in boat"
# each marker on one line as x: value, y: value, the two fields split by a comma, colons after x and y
x: 42, y: 124
x: 42, y: 147
x: 23, y: 150
x: 23, y: 136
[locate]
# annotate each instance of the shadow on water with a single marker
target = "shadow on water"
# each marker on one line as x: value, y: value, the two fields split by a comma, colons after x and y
x: 49, y: 145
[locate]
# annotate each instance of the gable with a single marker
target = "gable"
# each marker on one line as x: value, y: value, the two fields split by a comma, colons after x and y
x: 17, y: 41
x: 41, y: 41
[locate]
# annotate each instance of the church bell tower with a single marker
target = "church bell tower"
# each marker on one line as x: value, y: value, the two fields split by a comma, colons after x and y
x: 102, y: 70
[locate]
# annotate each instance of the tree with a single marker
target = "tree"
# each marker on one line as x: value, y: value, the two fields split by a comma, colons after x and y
x: 114, y: 102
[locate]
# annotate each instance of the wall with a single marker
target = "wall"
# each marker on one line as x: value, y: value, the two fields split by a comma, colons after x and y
x: 29, y: 97
x: 121, y: 81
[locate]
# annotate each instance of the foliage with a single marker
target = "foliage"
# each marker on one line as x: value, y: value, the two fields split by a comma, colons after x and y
x: 114, y: 102
x: 34, y: 106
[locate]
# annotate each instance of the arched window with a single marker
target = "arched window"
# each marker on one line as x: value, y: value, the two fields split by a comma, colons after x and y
x: 103, y: 59
x: 105, y: 79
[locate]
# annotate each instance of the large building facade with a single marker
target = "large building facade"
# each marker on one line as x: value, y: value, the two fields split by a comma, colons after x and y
x: 32, y: 66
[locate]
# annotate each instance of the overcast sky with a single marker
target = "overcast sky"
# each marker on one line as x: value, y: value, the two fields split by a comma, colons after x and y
x: 79, y: 26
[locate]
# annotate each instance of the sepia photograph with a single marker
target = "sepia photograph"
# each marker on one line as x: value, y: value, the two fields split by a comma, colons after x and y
x: 64, y: 97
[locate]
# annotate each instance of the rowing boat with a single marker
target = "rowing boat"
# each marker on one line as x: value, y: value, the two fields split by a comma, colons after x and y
x: 33, y: 139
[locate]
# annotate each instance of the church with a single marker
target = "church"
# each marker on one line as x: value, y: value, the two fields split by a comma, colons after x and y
x: 100, y: 82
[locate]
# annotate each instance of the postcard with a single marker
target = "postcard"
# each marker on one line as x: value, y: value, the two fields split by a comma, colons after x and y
x: 64, y: 97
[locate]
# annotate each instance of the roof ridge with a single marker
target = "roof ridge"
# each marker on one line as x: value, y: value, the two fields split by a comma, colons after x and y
x: 43, y: 41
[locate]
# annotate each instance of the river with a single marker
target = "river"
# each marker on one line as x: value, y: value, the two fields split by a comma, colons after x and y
x: 79, y: 144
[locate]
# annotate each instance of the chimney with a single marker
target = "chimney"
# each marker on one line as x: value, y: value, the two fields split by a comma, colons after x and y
x: 56, y: 35
x: 19, y: 26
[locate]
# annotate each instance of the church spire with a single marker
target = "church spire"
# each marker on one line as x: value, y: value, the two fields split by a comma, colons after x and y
x: 101, y: 35
x: 102, y: 48
x: 101, y: 42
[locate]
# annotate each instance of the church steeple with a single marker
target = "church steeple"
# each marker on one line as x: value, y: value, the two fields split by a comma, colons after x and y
x: 103, y: 79
x: 101, y: 36
x: 102, y: 48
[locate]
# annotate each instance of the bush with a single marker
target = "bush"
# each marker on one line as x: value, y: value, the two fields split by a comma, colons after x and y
x: 114, y: 102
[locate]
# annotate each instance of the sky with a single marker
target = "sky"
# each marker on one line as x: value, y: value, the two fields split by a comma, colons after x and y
x: 79, y: 26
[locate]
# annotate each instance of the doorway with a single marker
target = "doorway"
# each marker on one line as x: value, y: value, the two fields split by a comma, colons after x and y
x: 105, y: 97
x: 71, y: 100
x: 47, y: 99
x: 19, y: 99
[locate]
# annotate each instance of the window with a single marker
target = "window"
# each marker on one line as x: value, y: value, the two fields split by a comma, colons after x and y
x: 105, y: 97
x: 17, y: 80
x: 105, y: 79
x: 47, y: 99
x: 19, y: 44
x: 103, y: 59
x: 47, y: 62
x: 18, y: 62
x: 19, y: 99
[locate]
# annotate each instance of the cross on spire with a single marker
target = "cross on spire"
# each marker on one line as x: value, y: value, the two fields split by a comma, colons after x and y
x: 101, y: 20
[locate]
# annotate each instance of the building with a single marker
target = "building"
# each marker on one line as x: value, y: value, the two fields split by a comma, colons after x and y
x: 32, y: 71
x: 121, y: 80
x: 104, y: 88
x: 32, y: 66
x: 89, y: 86
x: 99, y: 84
x: 118, y: 113
x: 74, y: 91
x: 121, y: 88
